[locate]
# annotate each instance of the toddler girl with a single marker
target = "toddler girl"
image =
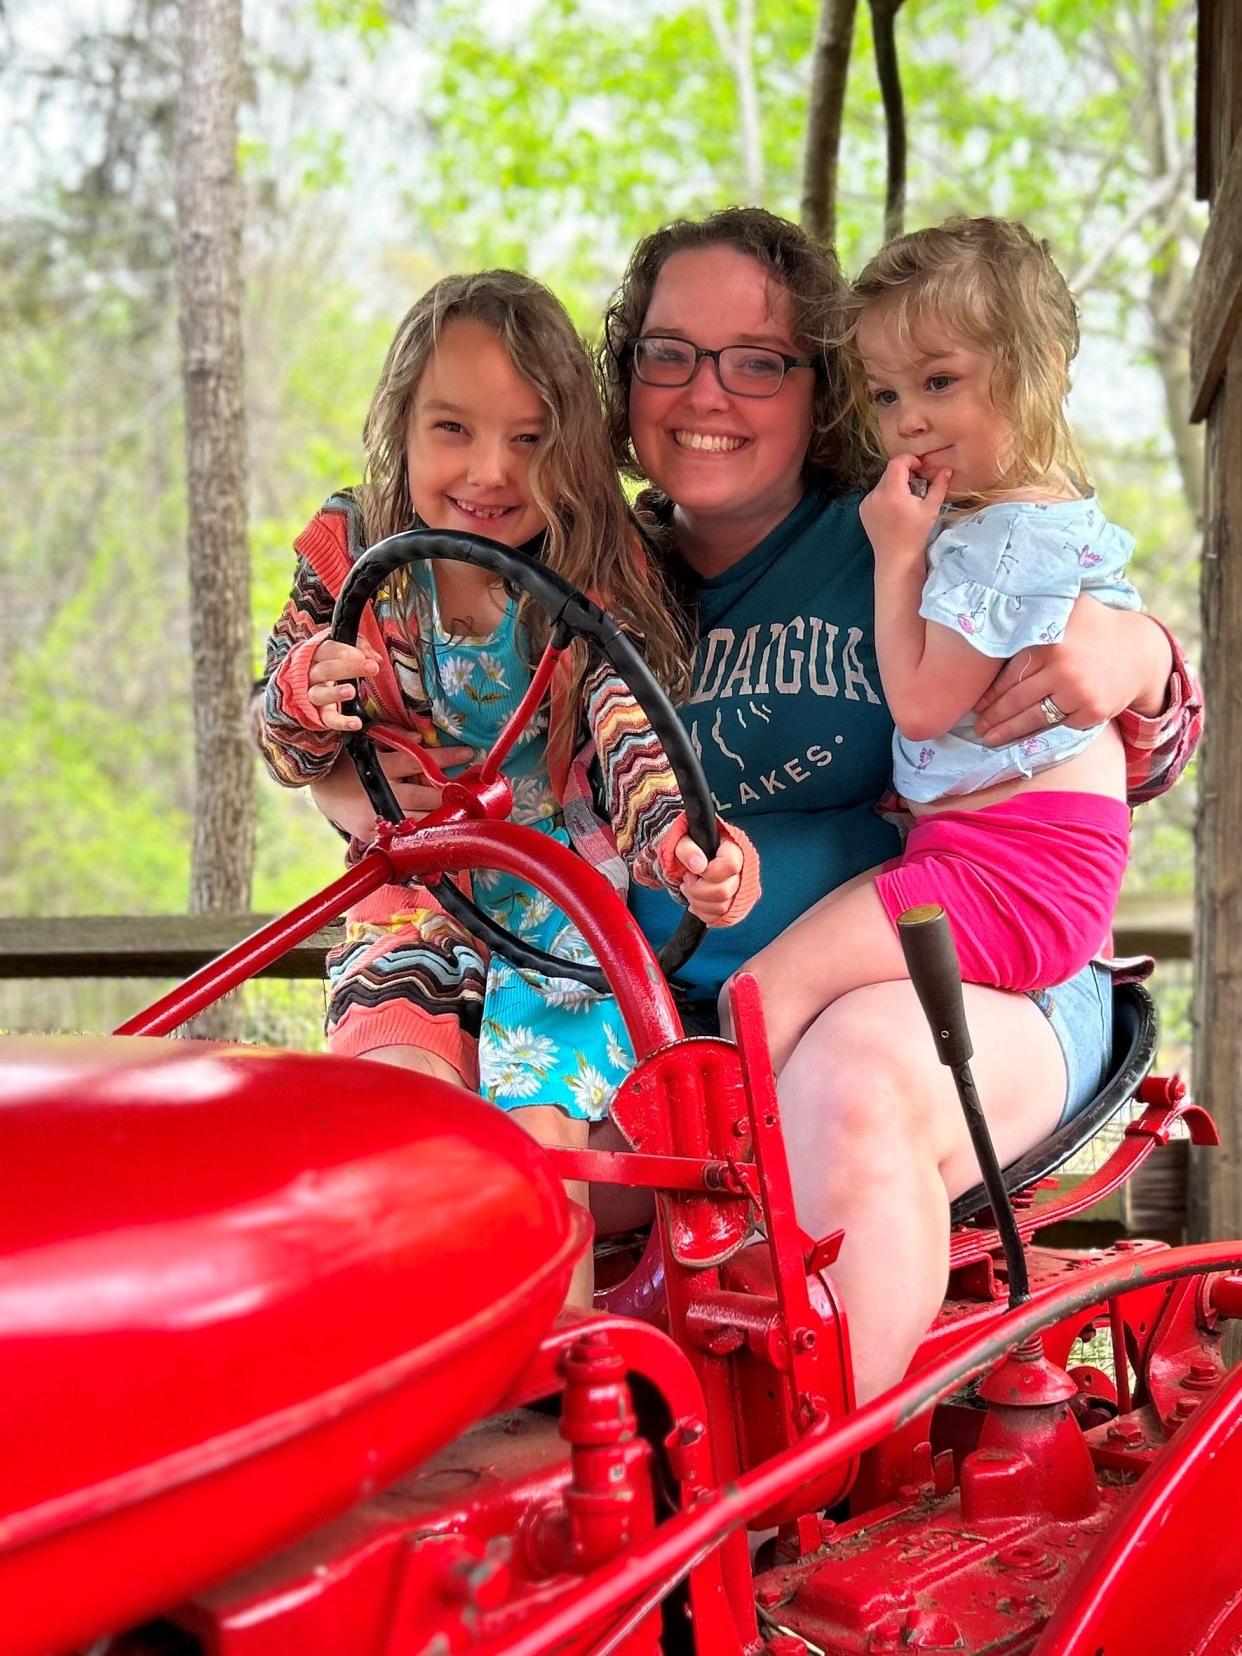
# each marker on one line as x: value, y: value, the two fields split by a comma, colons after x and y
x: 486, y: 420
x: 984, y: 535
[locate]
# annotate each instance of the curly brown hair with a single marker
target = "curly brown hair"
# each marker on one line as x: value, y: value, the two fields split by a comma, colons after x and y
x: 808, y: 271
x: 592, y: 540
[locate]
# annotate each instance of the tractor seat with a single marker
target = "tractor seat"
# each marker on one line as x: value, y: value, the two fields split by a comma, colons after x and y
x: 1135, y: 1034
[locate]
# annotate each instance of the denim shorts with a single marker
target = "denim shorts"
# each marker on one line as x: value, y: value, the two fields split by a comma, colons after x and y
x: 1080, y: 1011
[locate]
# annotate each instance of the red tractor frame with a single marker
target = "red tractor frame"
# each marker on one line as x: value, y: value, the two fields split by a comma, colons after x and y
x: 285, y: 1372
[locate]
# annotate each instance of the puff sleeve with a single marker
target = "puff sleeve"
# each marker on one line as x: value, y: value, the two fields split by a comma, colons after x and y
x: 1003, y: 579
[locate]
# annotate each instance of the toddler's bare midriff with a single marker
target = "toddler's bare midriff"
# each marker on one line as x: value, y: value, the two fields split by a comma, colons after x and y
x: 1098, y: 769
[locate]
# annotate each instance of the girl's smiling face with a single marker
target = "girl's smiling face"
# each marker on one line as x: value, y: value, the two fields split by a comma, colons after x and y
x: 721, y: 457
x: 932, y: 398
x: 474, y: 427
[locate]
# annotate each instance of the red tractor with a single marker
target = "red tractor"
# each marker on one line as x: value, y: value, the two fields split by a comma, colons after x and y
x: 286, y: 1372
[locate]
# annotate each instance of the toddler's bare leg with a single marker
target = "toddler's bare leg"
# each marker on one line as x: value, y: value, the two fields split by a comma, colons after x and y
x: 845, y: 942
x: 543, y: 1122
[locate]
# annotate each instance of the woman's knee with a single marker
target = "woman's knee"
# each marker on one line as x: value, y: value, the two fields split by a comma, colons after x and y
x: 850, y: 1068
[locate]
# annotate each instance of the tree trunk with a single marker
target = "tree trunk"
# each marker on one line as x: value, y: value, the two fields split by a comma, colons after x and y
x: 888, y: 72
x: 737, y: 47
x: 209, y: 279
x: 1216, y: 1175
x: 829, y: 74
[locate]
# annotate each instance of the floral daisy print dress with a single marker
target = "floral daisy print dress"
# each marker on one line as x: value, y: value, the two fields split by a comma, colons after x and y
x: 542, y: 1040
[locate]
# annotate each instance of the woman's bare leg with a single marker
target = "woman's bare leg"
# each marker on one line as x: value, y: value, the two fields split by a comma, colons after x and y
x: 878, y: 1146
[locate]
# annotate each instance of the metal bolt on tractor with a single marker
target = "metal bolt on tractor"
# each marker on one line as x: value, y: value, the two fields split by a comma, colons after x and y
x: 286, y: 1373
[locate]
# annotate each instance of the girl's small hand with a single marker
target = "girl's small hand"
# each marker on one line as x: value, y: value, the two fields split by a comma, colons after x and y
x: 340, y: 798
x: 333, y: 669
x: 898, y: 521
x: 709, y: 887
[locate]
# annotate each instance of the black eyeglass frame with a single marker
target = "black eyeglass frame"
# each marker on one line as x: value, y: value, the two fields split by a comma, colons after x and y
x: 701, y: 351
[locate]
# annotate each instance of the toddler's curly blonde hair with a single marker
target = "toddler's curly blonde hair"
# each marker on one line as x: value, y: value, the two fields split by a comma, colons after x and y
x: 990, y: 285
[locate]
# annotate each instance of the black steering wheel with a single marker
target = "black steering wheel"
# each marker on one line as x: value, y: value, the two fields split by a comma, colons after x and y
x: 571, y: 615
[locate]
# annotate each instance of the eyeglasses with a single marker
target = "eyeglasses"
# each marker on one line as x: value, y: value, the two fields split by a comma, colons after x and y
x: 743, y: 370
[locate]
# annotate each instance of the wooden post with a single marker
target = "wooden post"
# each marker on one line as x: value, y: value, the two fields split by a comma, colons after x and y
x: 1215, y: 1198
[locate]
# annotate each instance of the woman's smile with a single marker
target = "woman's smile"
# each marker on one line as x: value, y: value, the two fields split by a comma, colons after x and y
x: 708, y: 442
x: 732, y: 461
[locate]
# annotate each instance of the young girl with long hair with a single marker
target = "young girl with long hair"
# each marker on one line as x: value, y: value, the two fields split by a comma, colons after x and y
x: 985, y: 533
x: 487, y: 420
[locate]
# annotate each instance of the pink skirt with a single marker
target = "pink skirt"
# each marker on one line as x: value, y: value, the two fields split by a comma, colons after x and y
x: 1029, y: 886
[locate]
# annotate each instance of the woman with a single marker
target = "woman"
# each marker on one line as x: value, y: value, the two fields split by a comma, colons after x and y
x: 724, y: 392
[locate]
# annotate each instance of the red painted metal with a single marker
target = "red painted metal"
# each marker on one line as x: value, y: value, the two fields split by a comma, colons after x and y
x: 1168, y: 1574
x: 249, y: 957
x: 684, y: 1539
x: 1141, y: 1137
x: 690, y: 1102
x: 239, y: 1290
x: 292, y: 1284
x: 1181, y: 1361
x: 643, y: 996
x: 411, y: 743
x: 420, y: 1560
x: 1225, y: 1295
x: 618, y: 1167
x: 920, y: 1575
x: 1031, y: 1455
x: 541, y: 680
x: 1121, y: 1356
x: 649, y: 1353
x: 604, y: 1500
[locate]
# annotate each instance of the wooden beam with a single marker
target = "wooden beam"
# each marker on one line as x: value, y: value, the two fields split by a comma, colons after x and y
x: 170, y: 945
x: 1160, y: 925
x: 142, y: 946
x: 1216, y: 1175
x: 1217, y: 303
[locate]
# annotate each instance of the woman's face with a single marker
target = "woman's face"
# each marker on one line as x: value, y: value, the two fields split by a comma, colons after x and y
x: 719, y: 456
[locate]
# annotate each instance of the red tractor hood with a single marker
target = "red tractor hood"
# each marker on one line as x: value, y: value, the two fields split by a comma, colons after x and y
x: 239, y: 1289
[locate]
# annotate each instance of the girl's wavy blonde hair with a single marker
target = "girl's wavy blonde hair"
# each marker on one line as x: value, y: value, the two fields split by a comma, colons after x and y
x: 809, y: 273
x: 592, y: 540
x: 988, y: 283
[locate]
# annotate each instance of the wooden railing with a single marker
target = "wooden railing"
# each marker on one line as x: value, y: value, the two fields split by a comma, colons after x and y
x: 170, y: 945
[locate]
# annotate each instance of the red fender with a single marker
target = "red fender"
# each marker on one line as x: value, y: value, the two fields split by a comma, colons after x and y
x: 239, y: 1291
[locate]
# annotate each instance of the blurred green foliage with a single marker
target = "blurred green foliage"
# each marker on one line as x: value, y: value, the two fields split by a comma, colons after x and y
x: 384, y: 144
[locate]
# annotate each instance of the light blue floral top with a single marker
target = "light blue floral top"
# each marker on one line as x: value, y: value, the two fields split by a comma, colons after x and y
x: 1004, y: 578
